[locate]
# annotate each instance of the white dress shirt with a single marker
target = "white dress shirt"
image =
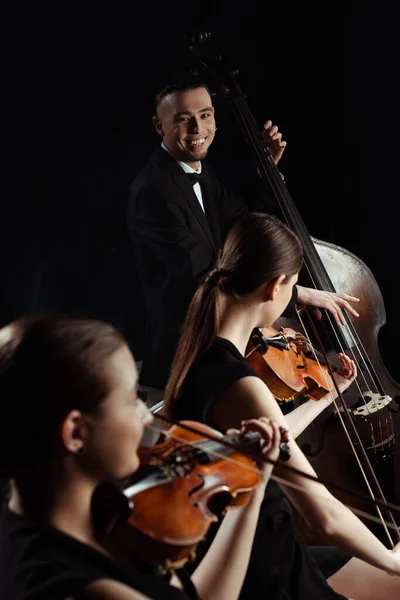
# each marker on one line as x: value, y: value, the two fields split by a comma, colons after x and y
x: 187, y: 169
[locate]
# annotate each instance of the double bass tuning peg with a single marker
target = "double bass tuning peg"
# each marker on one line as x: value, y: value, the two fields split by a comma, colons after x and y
x: 199, y: 38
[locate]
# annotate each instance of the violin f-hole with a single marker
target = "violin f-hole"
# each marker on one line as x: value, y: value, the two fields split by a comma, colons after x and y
x: 199, y: 486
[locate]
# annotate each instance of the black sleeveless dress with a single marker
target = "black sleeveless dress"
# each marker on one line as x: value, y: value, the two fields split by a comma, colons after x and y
x: 43, y: 563
x: 281, y: 566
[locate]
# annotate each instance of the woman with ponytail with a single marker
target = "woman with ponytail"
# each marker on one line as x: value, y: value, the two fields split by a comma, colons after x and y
x: 212, y: 382
x: 70, y: 420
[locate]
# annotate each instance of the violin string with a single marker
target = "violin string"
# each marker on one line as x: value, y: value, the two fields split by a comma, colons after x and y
x: 322, y: 371
x: 342, y: 349
x: 188, y: 425
x: 352, y: 350
x: 262, y: 152
x: 277, y: 478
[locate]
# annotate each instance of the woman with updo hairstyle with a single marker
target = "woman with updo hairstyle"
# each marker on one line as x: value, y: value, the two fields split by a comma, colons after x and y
x: 212, y: 382
x: 71, y: 419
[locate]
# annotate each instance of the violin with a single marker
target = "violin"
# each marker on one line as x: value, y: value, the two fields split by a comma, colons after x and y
x: 288, y: 365
x: 184, y: 484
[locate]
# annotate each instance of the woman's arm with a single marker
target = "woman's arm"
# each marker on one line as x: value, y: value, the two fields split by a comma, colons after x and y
x: 250, y: 398
x: 221, y: 573
x: 301, y: 417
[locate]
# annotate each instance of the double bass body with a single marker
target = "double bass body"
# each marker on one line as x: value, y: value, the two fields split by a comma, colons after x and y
x: 372, y: 400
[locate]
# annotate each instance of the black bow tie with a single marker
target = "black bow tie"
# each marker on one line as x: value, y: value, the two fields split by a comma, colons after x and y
x: 196, y: 177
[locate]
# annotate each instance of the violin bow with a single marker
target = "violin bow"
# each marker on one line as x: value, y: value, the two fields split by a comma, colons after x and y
x: 378, y: 503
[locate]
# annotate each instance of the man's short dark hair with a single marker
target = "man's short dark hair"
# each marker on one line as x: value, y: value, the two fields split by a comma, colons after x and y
x: 180, y: 83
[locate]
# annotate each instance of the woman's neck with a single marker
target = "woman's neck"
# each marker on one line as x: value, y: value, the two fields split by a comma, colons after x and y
x: 66, y: 505
x: 237, y: 322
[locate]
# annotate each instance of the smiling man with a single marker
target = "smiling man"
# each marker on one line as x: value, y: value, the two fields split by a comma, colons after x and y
x: 179, y: 215
x: 185, y: 120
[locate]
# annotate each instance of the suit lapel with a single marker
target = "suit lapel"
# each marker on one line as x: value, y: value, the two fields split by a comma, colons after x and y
x: 183, y: 181
x: 179, y: 177
x: 208, y: 193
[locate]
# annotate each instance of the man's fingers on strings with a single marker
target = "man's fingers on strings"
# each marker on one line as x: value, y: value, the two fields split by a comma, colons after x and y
x: 274, y: 133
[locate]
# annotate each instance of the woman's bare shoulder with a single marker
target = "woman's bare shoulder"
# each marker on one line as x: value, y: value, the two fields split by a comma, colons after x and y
x: 246, y: 398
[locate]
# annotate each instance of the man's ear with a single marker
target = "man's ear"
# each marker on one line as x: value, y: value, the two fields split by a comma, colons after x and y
x: 272, y: 287
x: 158, y: 125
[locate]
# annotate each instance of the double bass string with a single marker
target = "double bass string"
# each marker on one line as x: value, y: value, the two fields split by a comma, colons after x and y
x: 249, y: 126
x: 253, y: 135
x: 277, y: 478
x: 261, y: 154
x: 371, y: 416
x: 262, y: 151
x: 251, y: 130
x: 362, y: 449
x: 381, y: 518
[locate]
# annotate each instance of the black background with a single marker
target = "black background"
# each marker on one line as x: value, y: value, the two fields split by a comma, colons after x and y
x: 78, y: 83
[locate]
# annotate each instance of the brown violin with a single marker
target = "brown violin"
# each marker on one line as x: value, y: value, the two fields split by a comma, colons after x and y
x: 181, y: 489
x: 288, y: 365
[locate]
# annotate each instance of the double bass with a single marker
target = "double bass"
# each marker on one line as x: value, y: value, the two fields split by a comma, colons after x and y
x: 355, y: 440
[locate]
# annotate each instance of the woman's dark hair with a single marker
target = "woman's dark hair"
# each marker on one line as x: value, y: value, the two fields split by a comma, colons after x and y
x: 49, y: 365
x: 258, y: 249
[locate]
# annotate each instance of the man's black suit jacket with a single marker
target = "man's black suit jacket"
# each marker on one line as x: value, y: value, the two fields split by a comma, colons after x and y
x: 176, y: 245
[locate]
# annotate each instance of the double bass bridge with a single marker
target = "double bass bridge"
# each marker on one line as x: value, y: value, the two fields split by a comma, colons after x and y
x: 372, y: 403
x: 382, y: 434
